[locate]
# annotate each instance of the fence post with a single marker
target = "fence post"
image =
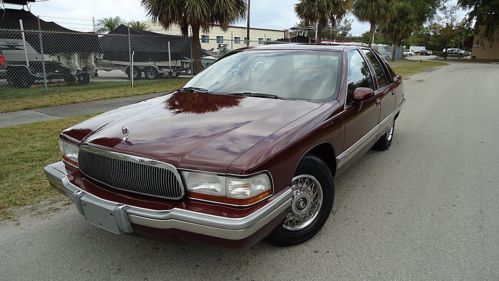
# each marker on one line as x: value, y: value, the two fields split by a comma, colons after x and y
x: 192, y: 62
x: 170, y: 72
x: 130, y: 55
x: 24, y: 42
x: 43, y: 55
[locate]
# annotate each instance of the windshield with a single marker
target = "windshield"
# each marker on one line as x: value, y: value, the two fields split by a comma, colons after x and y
x: 310, y: 75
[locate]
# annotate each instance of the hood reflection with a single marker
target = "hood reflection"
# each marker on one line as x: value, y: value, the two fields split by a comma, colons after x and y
x: 199, y: 103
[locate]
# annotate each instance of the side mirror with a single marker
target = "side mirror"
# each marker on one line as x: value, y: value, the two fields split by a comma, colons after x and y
x: 362, y: 93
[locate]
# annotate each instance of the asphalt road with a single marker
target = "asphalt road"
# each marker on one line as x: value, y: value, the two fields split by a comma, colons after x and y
x: 427, y: 209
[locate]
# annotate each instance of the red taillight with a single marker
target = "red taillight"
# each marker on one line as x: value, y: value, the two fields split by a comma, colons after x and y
x: 2, y: 60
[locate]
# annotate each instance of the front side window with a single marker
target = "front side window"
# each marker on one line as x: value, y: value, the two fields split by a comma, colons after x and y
x: 205, y: 39
x: 220, y: 39
x: 359, y: 74
x: 309, y: 75
x: 378, y: 68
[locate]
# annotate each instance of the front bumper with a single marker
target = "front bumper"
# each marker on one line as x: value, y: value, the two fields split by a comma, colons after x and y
x: 120, y: 218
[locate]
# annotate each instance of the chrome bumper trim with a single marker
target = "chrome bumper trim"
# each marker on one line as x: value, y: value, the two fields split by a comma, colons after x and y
x: 200, y: 223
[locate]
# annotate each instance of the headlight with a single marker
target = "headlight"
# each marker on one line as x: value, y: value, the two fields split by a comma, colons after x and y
x: 229, y: 190
x: 69, y: 152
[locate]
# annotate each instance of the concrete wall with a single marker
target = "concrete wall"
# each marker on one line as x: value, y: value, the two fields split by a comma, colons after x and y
x: 483, y: 49
x: 233, y: 37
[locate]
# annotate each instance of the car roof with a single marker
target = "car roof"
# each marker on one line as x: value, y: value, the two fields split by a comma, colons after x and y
x: 330, y: 47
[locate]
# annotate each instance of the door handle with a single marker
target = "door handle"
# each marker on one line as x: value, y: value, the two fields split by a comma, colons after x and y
x: 378, y: 101
x: 393, y: 93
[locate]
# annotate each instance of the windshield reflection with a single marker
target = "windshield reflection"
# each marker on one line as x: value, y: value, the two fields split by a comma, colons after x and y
x: 291, y: 74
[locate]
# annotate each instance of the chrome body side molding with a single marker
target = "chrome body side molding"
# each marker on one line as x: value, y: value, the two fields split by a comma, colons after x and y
x: 357, y: 147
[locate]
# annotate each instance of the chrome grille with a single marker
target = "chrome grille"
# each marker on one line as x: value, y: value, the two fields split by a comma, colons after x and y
x: 130, y: 173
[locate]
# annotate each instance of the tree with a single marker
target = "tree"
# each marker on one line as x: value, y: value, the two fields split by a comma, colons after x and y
x: 373, y: 11
x: 340, y: 30
x: 196, y: 15
x: 138, y: 25
x: 321, y: 12
x: 400, y: 25
x: 106, y: 25
x: 484, y: 12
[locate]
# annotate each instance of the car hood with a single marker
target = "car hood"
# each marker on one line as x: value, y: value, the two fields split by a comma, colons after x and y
x: 190, y: 130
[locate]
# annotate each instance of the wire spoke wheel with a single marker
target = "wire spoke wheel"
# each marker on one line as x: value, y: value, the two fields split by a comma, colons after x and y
x: 306, y: 204
x: 389, y: 132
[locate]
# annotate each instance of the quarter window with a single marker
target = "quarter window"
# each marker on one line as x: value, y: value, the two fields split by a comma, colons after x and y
x: 378, y: 69
x: 359, y: 74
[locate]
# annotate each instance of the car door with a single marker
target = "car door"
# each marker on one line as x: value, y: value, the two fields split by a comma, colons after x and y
x: 384, y: 84
x: 360, y: 117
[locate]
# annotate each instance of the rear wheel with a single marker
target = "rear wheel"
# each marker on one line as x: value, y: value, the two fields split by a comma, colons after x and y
x: 313, y: 195
x: 386, y: 140
x: 84, y: 78
x: 137, y: 73
x: 151, y: 73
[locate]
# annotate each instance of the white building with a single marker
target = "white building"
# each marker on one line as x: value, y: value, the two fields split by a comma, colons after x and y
x: 233, y: 38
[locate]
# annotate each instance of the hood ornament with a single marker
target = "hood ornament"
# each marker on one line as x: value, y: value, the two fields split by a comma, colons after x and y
x: 125, y: 132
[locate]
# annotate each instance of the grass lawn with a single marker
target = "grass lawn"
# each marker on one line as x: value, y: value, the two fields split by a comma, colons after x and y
x: 26, y: 149
x: 14, y: 99
x: 407, y: 68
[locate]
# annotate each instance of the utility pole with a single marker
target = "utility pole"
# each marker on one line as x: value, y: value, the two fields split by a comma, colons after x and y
x: 248, y: 26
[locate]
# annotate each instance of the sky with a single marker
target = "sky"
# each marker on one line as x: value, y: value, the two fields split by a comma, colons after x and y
x: 78, y: 14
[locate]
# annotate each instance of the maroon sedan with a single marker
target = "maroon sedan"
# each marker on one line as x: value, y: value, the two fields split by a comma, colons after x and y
x: 247, y: 149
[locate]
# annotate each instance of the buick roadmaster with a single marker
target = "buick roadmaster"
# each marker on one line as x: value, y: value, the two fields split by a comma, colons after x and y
x: 247, y: 149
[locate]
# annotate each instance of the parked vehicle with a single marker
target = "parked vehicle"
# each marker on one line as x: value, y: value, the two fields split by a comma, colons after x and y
x: 149, y: 51
x: 408, y: 53
x: 425, y: 52
x: 456, y: 52
x: 248, y: 148
x: 67, y: 54
x: 417, y: 49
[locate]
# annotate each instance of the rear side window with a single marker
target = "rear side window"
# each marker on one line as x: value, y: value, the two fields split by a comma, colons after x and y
x: 359, y: 74
x: 378, y: 68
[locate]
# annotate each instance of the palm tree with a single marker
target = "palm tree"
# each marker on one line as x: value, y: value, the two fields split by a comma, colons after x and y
x: 106, y: 25
x: 372, y: 11
x: 321, y: 12
x: 138, y: 25
x: 197, y: 15
x: 400, y: 25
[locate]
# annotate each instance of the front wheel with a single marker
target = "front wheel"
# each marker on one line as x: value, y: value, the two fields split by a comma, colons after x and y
x: 313, y: 195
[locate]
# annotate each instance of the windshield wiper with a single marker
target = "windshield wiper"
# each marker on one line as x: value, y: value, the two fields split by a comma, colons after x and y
x: 193, y: 89
x: 257, y: 95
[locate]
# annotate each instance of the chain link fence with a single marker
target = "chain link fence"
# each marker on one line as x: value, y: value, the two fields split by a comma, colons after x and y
x: 40, y: 60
